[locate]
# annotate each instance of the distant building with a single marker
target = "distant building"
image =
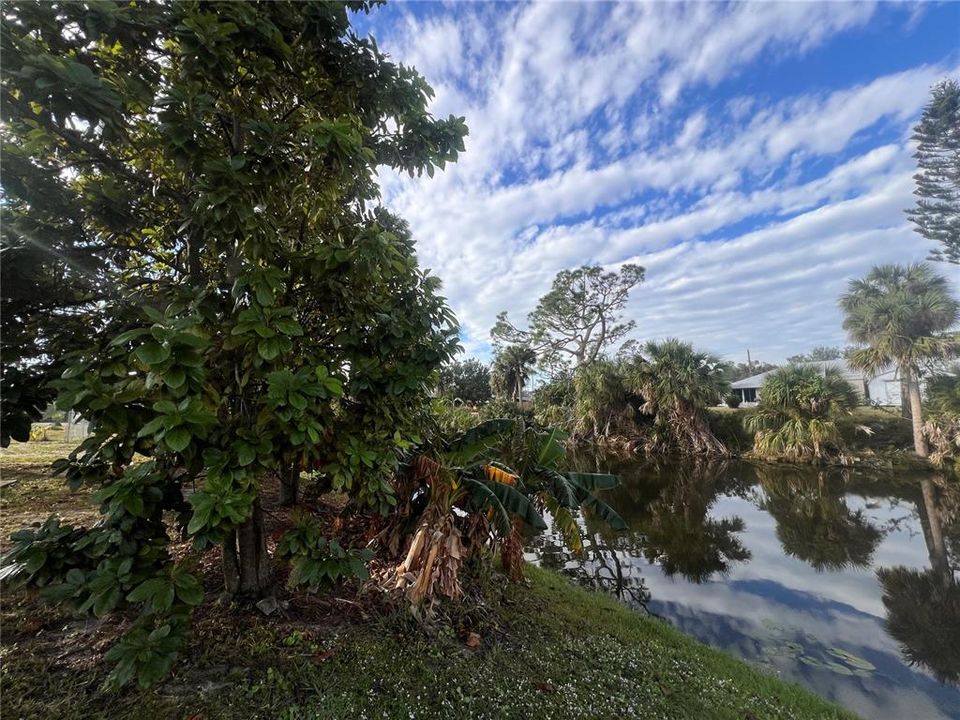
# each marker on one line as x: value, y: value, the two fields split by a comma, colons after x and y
x: 880, y: 389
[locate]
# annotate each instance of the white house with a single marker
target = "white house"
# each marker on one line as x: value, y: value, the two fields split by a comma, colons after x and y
x: 880, y: 389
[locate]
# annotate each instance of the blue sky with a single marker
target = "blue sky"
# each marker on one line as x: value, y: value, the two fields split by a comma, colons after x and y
x: 753, y: 157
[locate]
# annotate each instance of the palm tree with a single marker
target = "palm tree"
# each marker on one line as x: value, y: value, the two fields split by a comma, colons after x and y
x: 677, y: 382
x: 901, y: 314
x: 797, y: 413
x: 511, y: 370
x: 603, y: 405
x: 814, y: 523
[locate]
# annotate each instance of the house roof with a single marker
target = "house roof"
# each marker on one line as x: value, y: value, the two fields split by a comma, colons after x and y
x: 851, y: 375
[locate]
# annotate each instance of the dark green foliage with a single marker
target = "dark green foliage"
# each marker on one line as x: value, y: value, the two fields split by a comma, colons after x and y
x: 923, y: 615
x: 578, y: 319
x: 936, y: 216
x: 730, y: 429
x: 798, y: 412
x: 466, y: 380
x: 25, y: 396
x: 45, y: 555
x: 732, y: 400
x: 317, y: 562
x: 147, y: 652
x: 476, y: 443
x: 605, y: 406
x: 678, y: 383
x: 200, y: 180
x: 500, y: 407
x: 553, y: 402
x: 942, y: 393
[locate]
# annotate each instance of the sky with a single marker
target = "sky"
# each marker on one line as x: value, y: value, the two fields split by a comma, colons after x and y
x: 752, y: 157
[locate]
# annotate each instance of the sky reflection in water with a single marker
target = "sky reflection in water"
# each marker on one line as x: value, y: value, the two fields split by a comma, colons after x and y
x: 780, y: 566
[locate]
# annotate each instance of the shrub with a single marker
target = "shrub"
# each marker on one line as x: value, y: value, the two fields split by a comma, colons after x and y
x: 798, y: 412
x: 315, y: 561
x: 942, y: 426
x: 732, y: 401
x: 500, y: 407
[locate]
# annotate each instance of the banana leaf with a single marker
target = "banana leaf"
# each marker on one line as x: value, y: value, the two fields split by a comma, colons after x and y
x: 551, y: 447
x: 516, y: 502
x: 593, y: 481
x: 466, y: 448
x: 483, y: 498
x: 601, y: 510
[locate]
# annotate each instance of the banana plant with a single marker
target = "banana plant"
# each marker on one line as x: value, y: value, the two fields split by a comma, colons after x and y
x: 464, y: 494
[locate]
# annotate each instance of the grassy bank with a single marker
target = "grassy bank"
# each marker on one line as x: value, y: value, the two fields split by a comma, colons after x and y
x: 546, y: 648
x: 550, y: 650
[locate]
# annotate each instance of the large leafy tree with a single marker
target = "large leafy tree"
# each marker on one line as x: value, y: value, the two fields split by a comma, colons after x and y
x: 936, y: 215
x: 578, y: 319
x: 901, y: 315
x: 467, y: 380
x: 203, y: 175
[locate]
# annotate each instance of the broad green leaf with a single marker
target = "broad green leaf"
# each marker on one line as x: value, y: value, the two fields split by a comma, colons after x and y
x: 152, y: 353
x: 177, y: 439
x: 288, y: 326
x: 467, y: 447
x: 551, y: 448
x: 268, y: 348
x: 604, y: 512
x: 593, y: 481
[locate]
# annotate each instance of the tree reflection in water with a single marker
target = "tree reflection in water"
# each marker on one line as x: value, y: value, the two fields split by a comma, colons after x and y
x: 814, y: 523
x: 680, y: 536
x: 923, y: 606
x: 667, y: 507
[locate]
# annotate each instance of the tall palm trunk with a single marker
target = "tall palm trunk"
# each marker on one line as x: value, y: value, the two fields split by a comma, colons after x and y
x: 916, y: 413
x: 933, y: 531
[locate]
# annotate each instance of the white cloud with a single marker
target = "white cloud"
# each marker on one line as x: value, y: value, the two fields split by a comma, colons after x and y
x: 589, y: 144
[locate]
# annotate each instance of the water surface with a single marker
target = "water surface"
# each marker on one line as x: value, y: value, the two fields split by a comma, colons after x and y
x: 842, y: 580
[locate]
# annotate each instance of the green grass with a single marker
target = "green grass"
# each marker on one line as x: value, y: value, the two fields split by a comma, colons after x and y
x: 547, y: 649
x: 30, y: 493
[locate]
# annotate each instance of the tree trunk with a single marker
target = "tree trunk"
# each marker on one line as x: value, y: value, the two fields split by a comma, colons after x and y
x: 933, y: 531
x: 290, y: 485
x: 246, y: 566
x: 905, y: 399
x: 916, y: 415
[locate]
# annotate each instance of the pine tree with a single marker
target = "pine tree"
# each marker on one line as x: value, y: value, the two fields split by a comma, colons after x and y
x: 936, y: 215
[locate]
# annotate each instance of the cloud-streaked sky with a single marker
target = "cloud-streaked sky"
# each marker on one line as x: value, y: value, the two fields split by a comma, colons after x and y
x: 753, y: 157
